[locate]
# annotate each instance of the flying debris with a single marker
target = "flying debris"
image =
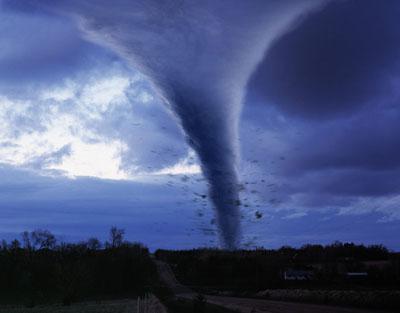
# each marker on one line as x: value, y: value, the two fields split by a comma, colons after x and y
x: 208, y: 231
x: 203, y: 196
x: 185, y: 178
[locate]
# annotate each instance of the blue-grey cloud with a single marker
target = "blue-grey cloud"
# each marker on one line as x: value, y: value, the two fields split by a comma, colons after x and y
x: 317, y: 158
x: 324, y: 102
x: 104, y: 104
x: 349, y: 163
x: 84, y: 207
x: 46, y: 55
x: 336, y: 60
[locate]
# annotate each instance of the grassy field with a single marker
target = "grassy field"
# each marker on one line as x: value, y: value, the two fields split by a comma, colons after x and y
x: 187, y: 306
x: 120, y: 306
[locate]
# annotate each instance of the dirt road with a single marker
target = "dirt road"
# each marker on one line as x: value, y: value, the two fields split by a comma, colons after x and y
x: 248, y: 305
x: 166, y: 274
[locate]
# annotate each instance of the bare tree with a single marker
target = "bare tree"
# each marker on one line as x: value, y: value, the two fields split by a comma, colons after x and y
x: 26, y: 240
x: 4, y: 245
x: 43, y: 239
x: 15, y: 244
x: 116, y: 237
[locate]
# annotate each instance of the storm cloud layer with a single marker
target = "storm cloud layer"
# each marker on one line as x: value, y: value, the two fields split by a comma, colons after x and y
x: 334, y: 62
x: 199, y: 56
x: 83, y: 93
x: 329, y: 91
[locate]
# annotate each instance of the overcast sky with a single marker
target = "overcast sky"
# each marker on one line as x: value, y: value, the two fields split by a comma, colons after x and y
x: 87, y: 140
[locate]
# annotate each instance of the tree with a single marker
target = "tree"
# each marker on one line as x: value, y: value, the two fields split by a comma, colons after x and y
x: 116, y: 237
x: 26, y: 240
x: 93, y: 243
x: 15, y: 245
x: 4, y: 245
x: 43, y: 239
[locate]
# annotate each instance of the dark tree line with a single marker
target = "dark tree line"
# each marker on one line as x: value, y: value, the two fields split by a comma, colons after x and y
x: 39, y: 269
x: 263, y: 269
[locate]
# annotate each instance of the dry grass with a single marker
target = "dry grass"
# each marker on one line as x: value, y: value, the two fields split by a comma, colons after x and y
x: 379, y: 299
x: 120, y: 306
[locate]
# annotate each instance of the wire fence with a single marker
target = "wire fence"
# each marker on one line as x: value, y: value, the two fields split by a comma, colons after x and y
x: 149, y: 304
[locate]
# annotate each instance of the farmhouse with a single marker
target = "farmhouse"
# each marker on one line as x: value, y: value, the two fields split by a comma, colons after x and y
x: 292, y: 274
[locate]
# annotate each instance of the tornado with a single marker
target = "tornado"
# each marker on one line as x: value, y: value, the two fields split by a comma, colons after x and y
x: 199, y: 54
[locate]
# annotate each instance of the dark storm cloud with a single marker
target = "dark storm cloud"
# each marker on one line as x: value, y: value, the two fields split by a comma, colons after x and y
x: 360, y: 183
x: 40, y: 48
x: 312, y: 165
x: 316, y: 228
x: 347, y: 183
x: 339, y: 66
x: 334, y: 61
x: 368, y: 141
